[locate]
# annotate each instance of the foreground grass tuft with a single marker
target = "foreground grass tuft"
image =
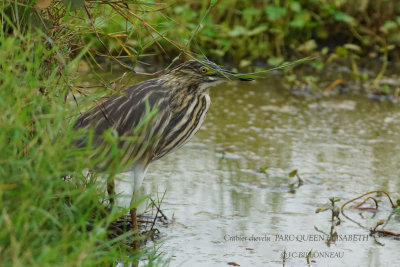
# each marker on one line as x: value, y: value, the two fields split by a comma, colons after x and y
x: 46, y: 220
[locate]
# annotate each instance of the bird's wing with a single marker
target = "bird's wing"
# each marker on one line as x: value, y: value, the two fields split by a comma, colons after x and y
x: 137, y: 114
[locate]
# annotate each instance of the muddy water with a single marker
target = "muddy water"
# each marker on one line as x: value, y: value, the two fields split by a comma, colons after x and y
x: 226, y: 210
x: 228, y: 190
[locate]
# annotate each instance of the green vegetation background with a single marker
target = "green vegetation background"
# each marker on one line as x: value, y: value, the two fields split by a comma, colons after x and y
x: 46, y: 221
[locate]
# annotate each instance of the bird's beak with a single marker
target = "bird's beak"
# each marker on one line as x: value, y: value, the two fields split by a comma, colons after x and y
x: 230, y: 75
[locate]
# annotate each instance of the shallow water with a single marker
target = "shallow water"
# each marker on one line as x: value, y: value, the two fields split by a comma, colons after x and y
x: 342, y: 146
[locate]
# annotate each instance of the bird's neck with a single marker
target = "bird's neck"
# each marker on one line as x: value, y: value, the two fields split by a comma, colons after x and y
x: 183, y: 93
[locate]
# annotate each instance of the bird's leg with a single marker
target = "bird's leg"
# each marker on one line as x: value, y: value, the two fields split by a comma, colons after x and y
x: 138, y: 175
x: 135, y: 227
x: 111, y: 190
x: 136, y: 241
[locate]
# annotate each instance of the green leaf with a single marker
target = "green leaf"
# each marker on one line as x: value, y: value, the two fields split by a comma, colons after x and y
x: 275, y: 12
x: 325, y: 50
x: 238, y: 31
x: 74, y: 3
x: 340, y: 16
x: 308, y: 46
x: 300, y: 20
x: 353, y: 47
x: 258, y: 30
x: 251, y: 12
x: 263, y: 169
x: 318, y: 64
x: 342, y: 51
x: 293, y: 173
x: 225, y: 42
x: 250, y: 15
x: 295, y: 6
x: 275, y: 61
x: 390, y: 25
x: 323, y: 208
x: 213, y: 2
x: 244, y: 63
x: 385, y: 89
x: 334, y: 199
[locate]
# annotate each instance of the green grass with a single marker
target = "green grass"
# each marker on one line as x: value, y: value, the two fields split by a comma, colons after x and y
x: 275, y: 30
x: 250, y: 35
x: 44, y: 220
x: 239, y: 31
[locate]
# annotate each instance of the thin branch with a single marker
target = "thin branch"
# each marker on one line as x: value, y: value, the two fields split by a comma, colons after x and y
x: 102, y: 43
x: 365, y: 200
x: 158, y: 209
x: 178, y: 45
x: 363, y: 195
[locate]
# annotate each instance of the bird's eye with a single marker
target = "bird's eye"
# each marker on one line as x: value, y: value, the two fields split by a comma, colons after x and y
x: 203, y: 69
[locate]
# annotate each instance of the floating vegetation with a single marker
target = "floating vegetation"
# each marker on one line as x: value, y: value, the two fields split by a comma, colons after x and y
x: 361, y: 206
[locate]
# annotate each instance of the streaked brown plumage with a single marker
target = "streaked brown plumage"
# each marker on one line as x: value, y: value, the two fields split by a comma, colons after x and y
x: 178, y: 102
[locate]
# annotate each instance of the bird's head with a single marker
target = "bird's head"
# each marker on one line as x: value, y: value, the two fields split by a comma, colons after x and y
x: 203, y: 74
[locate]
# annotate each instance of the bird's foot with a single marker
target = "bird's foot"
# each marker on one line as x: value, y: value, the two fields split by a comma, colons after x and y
x: 135, y: 227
